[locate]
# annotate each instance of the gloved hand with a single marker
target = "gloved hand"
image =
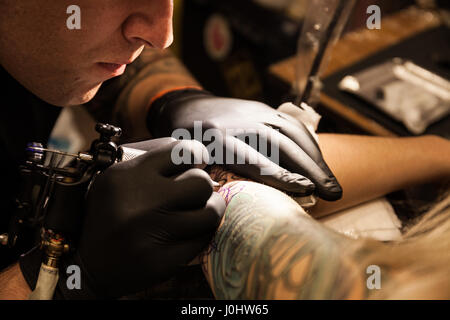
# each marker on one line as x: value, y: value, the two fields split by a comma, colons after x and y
x: 298, y: 151
x: 144, y: 218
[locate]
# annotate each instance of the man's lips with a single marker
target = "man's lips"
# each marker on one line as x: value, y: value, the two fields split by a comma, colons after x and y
x: 114, y: 69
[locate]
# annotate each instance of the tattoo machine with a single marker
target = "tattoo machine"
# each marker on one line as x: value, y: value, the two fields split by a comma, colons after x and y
x: 50, y: 203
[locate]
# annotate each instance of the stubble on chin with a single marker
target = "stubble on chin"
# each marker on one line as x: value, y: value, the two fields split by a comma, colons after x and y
x: 79, y: 98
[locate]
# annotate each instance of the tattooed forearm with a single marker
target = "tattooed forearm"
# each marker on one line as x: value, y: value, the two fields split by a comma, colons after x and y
x: 268, y: 248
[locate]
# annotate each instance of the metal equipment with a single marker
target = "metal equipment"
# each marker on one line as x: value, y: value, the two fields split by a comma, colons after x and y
x: 50, y: 203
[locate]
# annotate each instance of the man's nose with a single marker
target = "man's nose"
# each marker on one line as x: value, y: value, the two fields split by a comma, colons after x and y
x: 151, y: 24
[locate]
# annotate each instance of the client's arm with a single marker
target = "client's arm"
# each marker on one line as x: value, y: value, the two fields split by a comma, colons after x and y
x: 370, y: 167
x: 268, y: 248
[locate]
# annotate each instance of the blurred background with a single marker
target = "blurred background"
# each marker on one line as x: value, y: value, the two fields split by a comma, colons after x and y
x: 261, y: 32
x: 247, y: 48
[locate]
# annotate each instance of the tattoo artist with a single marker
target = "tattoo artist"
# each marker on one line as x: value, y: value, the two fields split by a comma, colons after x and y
x: 146, y: 217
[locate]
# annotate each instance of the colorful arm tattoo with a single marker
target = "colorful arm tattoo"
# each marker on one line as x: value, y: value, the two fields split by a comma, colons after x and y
x: 268, y: 248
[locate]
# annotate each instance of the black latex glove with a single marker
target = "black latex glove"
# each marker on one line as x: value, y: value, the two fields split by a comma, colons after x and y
x: 145, y: 218
x: 298, y: 153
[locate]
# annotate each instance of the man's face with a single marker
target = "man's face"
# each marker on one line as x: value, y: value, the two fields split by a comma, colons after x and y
x: 66, y: 67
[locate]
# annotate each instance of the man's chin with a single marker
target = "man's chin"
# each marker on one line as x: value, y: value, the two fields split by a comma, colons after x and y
x: 81, y: 98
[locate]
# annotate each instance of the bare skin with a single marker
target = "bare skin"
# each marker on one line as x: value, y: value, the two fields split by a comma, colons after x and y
x: 62, y: 66
x: 13, y: 285
x: 370, y: 167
